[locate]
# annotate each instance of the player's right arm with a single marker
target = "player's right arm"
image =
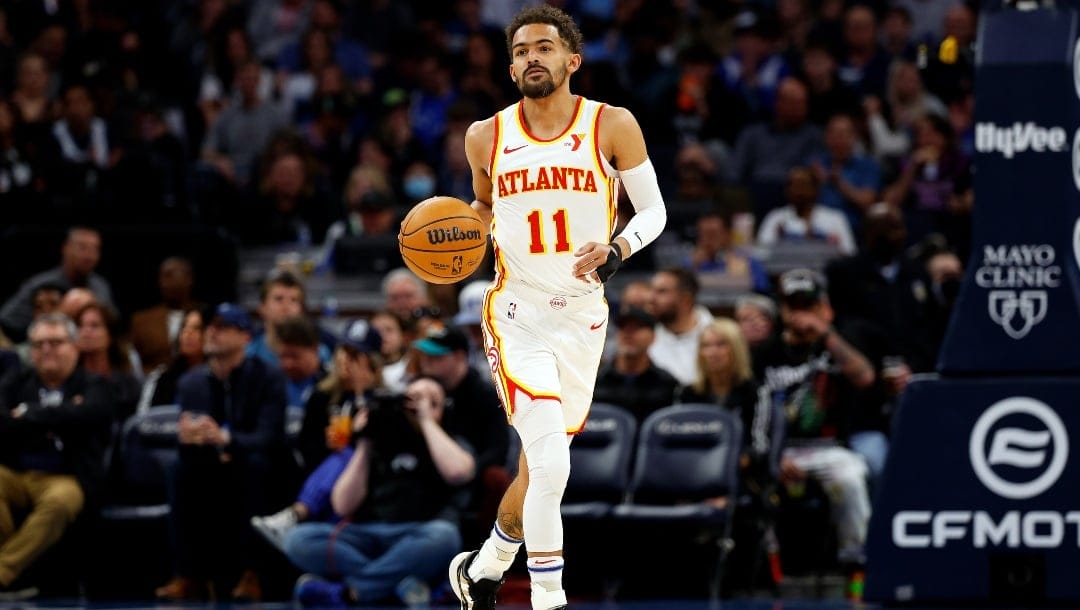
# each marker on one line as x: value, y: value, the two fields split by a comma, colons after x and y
x: 478, y: 150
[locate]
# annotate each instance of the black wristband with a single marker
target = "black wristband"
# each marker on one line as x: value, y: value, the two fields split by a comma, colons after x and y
x: 611, y: 265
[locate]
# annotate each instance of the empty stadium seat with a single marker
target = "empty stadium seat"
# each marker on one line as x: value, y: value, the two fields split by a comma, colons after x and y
x: 148, y: 449
x: 687, y: 454
x: 600, y: 463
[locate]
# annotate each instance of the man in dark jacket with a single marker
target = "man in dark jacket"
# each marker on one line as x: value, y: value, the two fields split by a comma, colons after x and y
x: 54, y: 429
x: 473, y: 411
x: 231, y: 431
x: 632, y: 380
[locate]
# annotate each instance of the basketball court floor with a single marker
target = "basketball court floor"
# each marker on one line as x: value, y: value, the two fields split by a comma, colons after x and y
x: 741, y: 604
x: 636, y: 605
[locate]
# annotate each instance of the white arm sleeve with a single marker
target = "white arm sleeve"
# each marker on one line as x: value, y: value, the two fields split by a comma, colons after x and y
x: 650, y: 214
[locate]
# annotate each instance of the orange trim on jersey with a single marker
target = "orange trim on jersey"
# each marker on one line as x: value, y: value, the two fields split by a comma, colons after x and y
x: 489, y: 329
x: 505, y: 384
x: 535, y: 140
x: 612, y: 205
x: 597, y: 155
x: 580, y: 427
x: 494, y: 147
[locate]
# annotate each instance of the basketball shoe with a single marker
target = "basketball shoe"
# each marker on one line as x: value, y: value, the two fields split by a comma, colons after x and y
x: 473, y: 595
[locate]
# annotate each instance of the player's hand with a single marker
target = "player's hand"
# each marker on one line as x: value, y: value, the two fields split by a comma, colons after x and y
x: 421, y: 399
x: 593, y: 257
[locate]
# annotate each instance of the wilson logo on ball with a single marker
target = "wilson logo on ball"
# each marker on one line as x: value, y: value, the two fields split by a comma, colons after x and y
x: 438, y: 236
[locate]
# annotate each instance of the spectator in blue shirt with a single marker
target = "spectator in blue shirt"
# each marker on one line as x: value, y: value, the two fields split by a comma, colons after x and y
x: 714, y: 253
x: 281, y: 296
x: 850, y: 180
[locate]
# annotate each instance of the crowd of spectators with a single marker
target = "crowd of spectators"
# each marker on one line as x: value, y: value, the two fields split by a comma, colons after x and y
x: 288, y: 123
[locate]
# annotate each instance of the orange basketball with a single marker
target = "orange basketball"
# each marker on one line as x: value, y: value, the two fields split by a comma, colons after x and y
x: 442, y: 240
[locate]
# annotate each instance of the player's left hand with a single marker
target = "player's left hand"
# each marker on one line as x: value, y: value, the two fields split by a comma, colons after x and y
x: 591, y: 257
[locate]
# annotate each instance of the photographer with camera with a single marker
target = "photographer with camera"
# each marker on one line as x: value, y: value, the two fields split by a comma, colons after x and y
x: 402, y: 494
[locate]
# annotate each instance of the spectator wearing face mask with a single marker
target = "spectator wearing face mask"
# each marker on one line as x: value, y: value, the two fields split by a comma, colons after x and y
x: 418, y: 183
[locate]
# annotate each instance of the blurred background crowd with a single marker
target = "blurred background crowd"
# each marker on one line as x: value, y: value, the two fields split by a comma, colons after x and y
x: 207, y: 168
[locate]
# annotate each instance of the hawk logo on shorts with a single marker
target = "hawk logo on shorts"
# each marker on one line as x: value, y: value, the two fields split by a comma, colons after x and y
x: 557, y: 302
x: 493, y: 359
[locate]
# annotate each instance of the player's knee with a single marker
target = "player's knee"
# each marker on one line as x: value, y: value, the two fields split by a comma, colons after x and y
x: 549, y: 463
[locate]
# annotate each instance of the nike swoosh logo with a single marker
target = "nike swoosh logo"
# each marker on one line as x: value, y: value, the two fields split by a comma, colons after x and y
x: 596, y: 326
x: 638, y: 238
x: 507, y: 150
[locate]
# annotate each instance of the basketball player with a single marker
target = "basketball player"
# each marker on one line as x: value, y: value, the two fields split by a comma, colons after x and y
x: 546, y: 174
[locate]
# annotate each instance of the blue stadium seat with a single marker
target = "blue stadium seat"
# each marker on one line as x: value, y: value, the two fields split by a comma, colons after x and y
x: 148, y: 449
x: 687, y: 454
x: 600, y: 463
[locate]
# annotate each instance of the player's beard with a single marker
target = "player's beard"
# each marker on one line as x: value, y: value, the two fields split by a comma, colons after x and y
x: 543, y: 88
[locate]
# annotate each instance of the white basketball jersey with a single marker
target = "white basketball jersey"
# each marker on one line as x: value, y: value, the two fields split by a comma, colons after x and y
x: 549, y: 197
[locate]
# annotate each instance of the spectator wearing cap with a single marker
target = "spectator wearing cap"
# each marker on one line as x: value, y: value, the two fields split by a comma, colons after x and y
x: 632, y: 380
x: 54, y: 428
x: 370, y: 209
x: 344, y: 395
x: 473, y: 412
x: 369, y: 204
x: 469, y: 318
x: 358, y: 353
x: 79, y: 256
x: 231, y: 434
x: 813, y: 374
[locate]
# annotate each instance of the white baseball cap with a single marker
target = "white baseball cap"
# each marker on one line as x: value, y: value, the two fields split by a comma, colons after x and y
x: 471, y: 303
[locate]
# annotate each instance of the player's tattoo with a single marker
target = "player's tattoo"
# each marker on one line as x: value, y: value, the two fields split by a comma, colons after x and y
x: 511, y: 525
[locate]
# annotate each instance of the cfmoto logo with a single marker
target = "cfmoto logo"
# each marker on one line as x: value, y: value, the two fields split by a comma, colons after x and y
x: 1045, y: 449
x: 1076, y: 157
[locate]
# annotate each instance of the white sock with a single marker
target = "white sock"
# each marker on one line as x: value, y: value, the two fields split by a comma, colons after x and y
x: 546, y: 576
x: 496, y: 556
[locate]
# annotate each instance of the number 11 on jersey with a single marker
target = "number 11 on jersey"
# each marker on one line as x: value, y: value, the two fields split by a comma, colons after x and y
x: 536, y: 230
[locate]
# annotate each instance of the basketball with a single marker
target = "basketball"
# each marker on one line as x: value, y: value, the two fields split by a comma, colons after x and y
x: 442, y: 240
